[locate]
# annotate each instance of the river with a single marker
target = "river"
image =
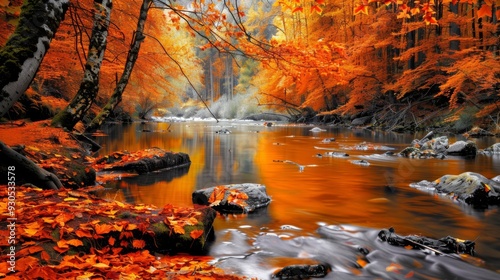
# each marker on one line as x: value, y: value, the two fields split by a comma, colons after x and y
x: 348, y: 203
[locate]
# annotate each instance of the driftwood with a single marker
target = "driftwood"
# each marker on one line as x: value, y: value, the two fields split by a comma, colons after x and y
x: 28, y: 169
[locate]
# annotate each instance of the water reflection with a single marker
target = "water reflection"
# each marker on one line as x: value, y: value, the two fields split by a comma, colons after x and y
x: 330, y: 189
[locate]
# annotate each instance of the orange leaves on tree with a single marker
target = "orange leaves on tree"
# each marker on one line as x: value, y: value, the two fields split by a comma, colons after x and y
x: 485, y: 11
x: 429, y: 19
x: 317, y: 9
x: 360, y: 8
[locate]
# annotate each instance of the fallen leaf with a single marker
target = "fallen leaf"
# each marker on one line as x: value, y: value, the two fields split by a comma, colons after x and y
x: 138, y: 243
x: 75, y: 242
x: 195, y: 234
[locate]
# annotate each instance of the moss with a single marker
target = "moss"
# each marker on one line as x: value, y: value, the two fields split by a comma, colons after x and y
x: 55, y: 234
x: 126, y: 215
x: 160, y: 228
x: 23, y: 43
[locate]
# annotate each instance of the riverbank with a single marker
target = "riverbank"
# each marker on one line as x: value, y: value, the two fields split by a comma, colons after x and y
x: 50, y: 242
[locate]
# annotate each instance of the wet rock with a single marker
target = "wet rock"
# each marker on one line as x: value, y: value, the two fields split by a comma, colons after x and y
x: 462, y: 148
x: 438, y: 144
x: 493, y: 149
x: 445, y: 245
x: 144, y: 161
x: 234, y: 198
x: 361, y: 121
x: 469, y: 187
x: 223, y: 131
x: 477, y: 132
x: 328, y: 140
x: 361, y: 162
x: 317, y: 129
x: 413, y: 152
x: 302, y: 271
x: 336, y: 154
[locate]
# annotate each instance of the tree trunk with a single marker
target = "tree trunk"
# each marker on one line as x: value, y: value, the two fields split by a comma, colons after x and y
x: 135, y: 46
x: 27, y: 169
x: 89, y: 87
x: 24, y: 51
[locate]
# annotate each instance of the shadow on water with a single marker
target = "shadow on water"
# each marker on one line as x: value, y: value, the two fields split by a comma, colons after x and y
x: 327, y: 190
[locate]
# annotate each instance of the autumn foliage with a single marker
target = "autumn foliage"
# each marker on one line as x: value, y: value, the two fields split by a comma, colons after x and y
x: 71, y: 234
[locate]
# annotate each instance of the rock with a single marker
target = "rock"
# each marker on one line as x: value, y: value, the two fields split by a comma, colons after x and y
x: 234, y: 198
x: 361, y: 162
x: 477, y: 132
x: 445, y: 245
x: 336, y: 154
x: 469, y: 187
x: 493, y: 149
x: 438, y: 144
x: 223, y: 131
x: 317, y: 129
x: 304, y: 271
x: 361, y: 121
x: 141, y: 162
x: 462, y: 148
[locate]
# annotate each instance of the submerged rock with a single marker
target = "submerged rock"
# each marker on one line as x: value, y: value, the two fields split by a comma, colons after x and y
x: 469, y: 187
x: 304, y: 271
x: 234, y: 198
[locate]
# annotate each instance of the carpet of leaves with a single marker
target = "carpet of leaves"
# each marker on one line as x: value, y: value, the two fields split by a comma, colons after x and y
x: 49, y: 234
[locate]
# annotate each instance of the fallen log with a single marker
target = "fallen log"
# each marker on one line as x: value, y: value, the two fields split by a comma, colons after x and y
x: 27, y: 169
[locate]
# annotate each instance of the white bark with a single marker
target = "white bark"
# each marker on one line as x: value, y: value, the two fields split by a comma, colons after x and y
x: 52, y: 13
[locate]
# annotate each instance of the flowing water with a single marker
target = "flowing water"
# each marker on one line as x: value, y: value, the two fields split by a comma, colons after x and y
x: 323, y: 207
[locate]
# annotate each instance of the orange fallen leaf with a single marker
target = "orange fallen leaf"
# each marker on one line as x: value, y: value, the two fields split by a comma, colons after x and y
x: 45, y: 256
x: 75, y: 242
x: 103, y: 228
x: 195, y: 234
x: 111, y: 241
x: 100, y: 265
x: 138, y: 243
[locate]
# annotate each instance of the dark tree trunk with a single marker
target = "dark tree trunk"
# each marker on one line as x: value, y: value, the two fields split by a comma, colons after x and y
x: 26, y: 168
x: 133, y: 54
x: 24, y: 51
x: 81, y: 103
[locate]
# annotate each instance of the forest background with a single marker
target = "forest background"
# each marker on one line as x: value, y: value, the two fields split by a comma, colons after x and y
x: 399, y: 65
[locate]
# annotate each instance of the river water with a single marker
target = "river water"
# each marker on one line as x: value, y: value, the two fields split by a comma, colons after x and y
x: 323, y: 208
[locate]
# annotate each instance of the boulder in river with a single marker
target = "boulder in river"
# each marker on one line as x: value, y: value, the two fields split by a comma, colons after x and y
x: 445, y: 245
x: 462, y: 148
x: 493, y: 149
x: 144, y: 161
x: 469, y: 187
x: 305, y: 271
x: 234, y: 198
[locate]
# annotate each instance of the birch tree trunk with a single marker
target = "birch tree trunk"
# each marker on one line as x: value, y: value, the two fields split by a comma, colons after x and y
x: 133, y: 53
x: 23, y: 53
x: 81, y: 103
